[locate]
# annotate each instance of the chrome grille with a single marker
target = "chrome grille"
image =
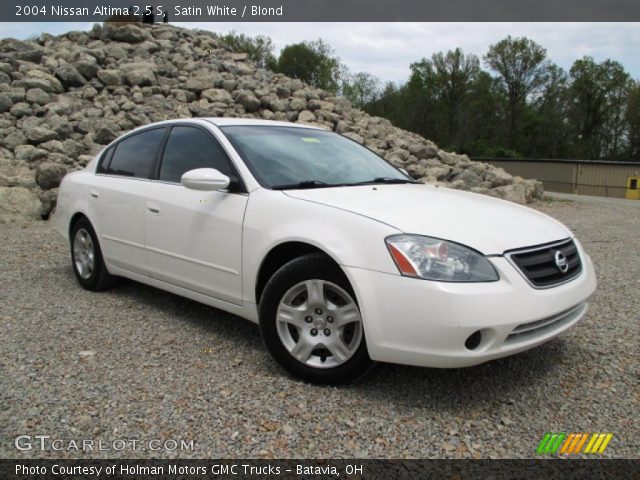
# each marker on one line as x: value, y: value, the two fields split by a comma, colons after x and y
x: 538, y: 264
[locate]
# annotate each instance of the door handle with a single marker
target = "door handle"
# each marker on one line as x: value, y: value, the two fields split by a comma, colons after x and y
x: 153, y: 208
x: 94, y: 193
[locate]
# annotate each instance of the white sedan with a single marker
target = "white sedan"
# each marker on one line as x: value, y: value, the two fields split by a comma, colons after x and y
x: 340, y: 257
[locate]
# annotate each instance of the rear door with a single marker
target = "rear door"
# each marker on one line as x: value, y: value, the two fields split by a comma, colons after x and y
x: 117, y: 197
x: 194, y: 238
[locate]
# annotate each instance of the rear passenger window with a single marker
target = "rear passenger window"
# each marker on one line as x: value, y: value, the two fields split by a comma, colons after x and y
x: 104, y: 161
x: 189, y: 148
x: 134, y: 155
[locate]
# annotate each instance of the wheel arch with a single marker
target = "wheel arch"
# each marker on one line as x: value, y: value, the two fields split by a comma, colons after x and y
x: 74, y: 218
x: 281, y: 254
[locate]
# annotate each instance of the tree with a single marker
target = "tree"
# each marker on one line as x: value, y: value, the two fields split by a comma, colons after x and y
x: 313, y: 63
x: 547, y: 125
x: 440, y: 88
x: 598, y: 91
x: 482, y: 123
x: 523, y: 69
x: 454, y: 74
x: 632, y: 117
x: 259, y: 48
x: 361, y: 88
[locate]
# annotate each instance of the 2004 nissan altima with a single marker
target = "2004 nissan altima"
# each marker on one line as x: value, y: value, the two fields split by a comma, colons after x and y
x: 341, y: 258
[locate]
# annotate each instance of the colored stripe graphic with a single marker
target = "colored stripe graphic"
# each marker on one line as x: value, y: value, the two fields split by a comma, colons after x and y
x: 569, y: 443
x: 573, y: 443
x: 605, y: 444
x: 543, y: 443
x: 550, y: 443
x: 594, y: 439
x: 580, y: 444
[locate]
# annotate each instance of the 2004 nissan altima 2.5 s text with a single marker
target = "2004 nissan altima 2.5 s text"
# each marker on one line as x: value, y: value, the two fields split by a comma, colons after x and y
x: 340, y: 257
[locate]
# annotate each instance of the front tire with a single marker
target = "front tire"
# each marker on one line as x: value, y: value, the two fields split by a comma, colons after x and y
x: 86, y: 258
x: 311, y: 322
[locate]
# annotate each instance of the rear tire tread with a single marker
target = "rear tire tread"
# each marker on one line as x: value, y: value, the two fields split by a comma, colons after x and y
x: 100, y: 279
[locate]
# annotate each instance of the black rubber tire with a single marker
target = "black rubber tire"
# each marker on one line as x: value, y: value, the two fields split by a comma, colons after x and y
x: 307, y: 267
x: 100, y: 278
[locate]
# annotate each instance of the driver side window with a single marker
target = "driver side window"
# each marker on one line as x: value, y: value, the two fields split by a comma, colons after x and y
x: 188, y: 148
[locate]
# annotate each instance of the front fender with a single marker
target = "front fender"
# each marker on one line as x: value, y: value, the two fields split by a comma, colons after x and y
x: 273, y: 218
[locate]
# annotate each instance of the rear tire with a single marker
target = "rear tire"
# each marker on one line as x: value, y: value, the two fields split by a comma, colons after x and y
x: 86, y: 258
x: 311, y: 322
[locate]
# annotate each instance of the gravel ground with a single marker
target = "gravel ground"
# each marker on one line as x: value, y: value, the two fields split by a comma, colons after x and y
x: 138, y: 363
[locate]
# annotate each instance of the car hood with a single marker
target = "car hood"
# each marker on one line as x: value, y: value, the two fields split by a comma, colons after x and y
x: 484, y: 223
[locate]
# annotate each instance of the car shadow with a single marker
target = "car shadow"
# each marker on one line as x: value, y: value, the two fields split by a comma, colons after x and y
x: 499, y: 381
x: 208, y: 320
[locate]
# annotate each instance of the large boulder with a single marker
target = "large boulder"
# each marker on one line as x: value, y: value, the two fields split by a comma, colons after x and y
x: 38, y: 96
x: 27, y: 51
x: 202, y: 82
x: 87, y: 65
x: 16, y: 174
x: 306, y: 116
x: 470, y: 178
x: 49, y: 175
x: 40, y: 79
x: 498, y: 177
x: 104, y: 135
x: 248, y: 100
x: 18, y: 204
x: 38, y: 135
x: 126, y: 33
x: 217, y: 95
x: 6, y: 102
x: 111, y: 77
x: 140, y: 77
x: 69, y: 77
x: 422, y: 151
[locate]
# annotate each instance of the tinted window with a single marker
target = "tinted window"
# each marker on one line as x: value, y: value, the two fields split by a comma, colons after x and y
x: 189, y: 148
x: 134, y: 155
x: 104, y: 161
x: 288, y: 155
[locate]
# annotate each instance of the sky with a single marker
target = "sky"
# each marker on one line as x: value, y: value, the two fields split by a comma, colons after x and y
x: 387, y: 49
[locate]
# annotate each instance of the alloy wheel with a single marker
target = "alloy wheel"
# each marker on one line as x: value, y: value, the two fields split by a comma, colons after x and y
x: 319, y: 323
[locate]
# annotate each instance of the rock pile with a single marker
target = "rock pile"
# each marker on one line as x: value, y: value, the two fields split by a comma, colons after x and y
x: 63, y: 98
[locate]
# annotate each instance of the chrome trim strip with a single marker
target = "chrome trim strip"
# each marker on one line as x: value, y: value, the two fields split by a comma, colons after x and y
x: 124, y: 242
x: 527, y: 327
x: 193, y: 260
x: 174, y: 255
x: 569, y: 317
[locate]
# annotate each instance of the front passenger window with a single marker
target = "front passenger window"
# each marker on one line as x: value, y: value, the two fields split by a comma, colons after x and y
x: 188, y: 148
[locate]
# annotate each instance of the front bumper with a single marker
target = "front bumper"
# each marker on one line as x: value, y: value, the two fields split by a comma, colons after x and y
x: 425, y: 323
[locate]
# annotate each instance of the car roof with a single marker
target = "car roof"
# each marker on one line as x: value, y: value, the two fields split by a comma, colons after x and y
x: 224, y: 122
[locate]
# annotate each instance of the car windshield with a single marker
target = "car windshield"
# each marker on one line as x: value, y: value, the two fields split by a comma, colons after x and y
x: 293, y: 157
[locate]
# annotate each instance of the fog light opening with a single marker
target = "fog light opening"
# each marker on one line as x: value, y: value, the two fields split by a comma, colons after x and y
x: 473, y: 341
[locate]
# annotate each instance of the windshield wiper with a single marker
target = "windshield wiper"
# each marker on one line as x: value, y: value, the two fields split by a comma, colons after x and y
x: 388, y: 180
x: 302, y: 185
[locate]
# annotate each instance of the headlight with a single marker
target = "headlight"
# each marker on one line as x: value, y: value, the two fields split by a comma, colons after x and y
x: 441, y: 260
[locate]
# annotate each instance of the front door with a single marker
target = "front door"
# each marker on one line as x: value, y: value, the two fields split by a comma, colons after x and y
x: 194, y: 238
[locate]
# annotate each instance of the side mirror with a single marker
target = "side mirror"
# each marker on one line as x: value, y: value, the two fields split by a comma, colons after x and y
x: 405, y: 172
x: 205, y: 179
